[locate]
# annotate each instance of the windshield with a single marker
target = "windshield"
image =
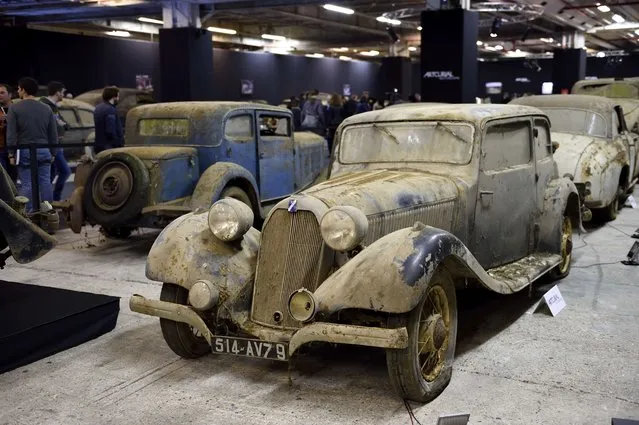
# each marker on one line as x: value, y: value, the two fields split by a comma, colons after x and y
x: 579, y: 121
x: 447, y: 142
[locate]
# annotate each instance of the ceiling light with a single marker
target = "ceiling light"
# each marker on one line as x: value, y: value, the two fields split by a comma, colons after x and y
x: 339, y: 9
x: 518, y: 51
x: 280, y: 51
x: 314, y: 55
x: 637, y: 32
x: 222, y: 30
x: 601, y: 55
x: 150, y: 20
x: 603, y: 8
x: 274, y: 37
x: 499, y: 47
x: 419, y: 28
x: 479, y: 42
x: 547, y: 40
x: 370, y: 53
x: 385, y: 20
x: 339, y: 49
x: 618, y: 18
x: 412, y: 49
x: 346, y: 58
x: 615, y: 27
x: 491, y: 48
x: 493, y: 34
x: 118, y: 33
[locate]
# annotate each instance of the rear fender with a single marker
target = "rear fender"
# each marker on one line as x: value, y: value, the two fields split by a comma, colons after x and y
x: 217, y: 177
x: 392, y: 274
x: 187, y: 251
x: 560, y: 198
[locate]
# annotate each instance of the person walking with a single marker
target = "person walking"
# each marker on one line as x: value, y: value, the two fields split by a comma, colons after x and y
x: 5, y: 101
x: 31, y: 122
x: 108, y: 127
x: 59, y: 167
x: 334, y: 117
x: 313, y: 118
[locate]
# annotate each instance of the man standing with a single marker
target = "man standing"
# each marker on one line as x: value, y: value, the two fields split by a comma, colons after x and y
x: 108, y: 128
x: 31, y: 122
x: 5, y: 100
x: 60, y: 167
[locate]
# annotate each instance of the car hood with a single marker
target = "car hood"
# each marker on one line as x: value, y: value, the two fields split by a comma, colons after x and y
x: 571, y: 148
x: 380, y: 191
x: 154, y: 152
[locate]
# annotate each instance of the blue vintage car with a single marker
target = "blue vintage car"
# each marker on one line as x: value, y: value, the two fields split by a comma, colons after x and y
x: 186, y: 155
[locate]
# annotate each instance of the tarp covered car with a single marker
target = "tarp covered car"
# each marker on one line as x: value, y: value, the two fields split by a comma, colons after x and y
x: 420, y: 201
x: 596, y: 150
x: 186, y: 155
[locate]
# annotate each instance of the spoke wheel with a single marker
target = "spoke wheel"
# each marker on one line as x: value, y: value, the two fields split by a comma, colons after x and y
x: 183, y: 339
x: 563, y: 269
x: 422, y: 371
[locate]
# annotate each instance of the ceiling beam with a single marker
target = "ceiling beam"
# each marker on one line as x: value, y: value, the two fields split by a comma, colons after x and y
x: 593, y: 5
x: 334, y: 24
x: 260, y: 4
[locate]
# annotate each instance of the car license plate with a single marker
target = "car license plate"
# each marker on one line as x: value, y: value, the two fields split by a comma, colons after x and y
x: 250, y: 348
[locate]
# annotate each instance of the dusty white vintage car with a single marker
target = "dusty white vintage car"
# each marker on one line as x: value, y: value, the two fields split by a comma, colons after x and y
x: 595, y: 149
x: 420, y: 201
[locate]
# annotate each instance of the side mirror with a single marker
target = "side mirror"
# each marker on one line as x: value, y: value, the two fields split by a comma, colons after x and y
x: 555, y: 146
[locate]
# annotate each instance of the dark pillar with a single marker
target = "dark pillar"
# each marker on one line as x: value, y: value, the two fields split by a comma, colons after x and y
x: 395, y: 74
x: 186, y: 64
x: 449, y: 55
x: 568, y: 67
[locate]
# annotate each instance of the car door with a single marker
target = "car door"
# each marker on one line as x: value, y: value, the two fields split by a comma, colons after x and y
x: 276, y: 155
x: 238, y: 145
x: 506, y: 207
x: 629, y: 139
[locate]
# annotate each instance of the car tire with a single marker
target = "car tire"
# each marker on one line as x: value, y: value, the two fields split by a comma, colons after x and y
x: 436, y: 317
x: 563, y: 269
x: 117, y: 232
x: 608, y: 213
x: 134, y: 201
x: 179, y: 336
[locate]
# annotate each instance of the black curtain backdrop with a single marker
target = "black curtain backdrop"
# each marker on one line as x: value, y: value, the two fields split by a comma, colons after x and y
x: 86, y: 62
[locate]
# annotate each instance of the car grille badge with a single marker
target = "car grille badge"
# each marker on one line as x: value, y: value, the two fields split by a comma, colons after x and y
x: 292, y: 205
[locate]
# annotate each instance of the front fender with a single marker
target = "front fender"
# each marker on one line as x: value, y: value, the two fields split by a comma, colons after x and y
x: 218, y: 176
x: 392, y: 274
x: 187, y: 251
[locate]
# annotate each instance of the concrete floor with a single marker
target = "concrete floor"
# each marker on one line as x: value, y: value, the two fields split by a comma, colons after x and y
x: 513, y: 366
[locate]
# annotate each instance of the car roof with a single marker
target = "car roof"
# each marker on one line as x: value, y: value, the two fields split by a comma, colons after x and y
x: 74, y: 103
x: 599, y: 104
x: 471, y: 112
x: 189, y: 109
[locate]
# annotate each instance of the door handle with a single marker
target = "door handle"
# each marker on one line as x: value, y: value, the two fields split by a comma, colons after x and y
x: 228, y: 151
x: 486, y: 192
x: 261, y: 155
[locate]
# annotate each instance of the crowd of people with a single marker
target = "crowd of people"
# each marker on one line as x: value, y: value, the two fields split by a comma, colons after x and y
x: 37, y: 121
x: 311, y: 114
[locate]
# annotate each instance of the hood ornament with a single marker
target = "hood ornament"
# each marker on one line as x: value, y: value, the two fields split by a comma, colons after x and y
x: 292, y: 205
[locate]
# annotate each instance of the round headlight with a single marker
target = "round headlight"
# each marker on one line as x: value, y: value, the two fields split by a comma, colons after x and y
x: 230, y: 219
x: 344, y: 228
x: 301, y: 305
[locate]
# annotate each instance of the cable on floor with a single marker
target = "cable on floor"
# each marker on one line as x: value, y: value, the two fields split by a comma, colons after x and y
x: 411, y: 414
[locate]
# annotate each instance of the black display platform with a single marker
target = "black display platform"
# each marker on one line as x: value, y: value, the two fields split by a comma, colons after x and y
x: 38, y: 321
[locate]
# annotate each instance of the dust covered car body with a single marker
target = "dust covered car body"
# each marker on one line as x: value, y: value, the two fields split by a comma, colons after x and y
x: 20, y: 238
x: 79, y: 116
x: 186, y: 155
x: 595, y: 149
x: 608, y: 87
x: 129, y: 99
x: 419, y: 200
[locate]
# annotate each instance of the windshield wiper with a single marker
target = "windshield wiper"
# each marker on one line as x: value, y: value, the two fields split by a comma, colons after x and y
x: 448, y: 130
x: 386, y: 132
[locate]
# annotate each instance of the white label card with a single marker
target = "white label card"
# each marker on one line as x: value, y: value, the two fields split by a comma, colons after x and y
x: 554, y: 300
x: 631, y: 202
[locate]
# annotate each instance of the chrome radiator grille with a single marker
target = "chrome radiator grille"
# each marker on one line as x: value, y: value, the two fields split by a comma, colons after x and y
x: 438, y: 215
x: 291, y: 257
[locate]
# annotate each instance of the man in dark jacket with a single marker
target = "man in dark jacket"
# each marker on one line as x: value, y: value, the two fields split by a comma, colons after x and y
x: 108, y: 127
x: 60, y: 167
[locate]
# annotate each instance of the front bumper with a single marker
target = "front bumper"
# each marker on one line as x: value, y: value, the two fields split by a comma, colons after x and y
x: 314, y: 332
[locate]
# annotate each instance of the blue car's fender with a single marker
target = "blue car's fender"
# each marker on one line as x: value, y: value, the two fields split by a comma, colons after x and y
x: 220, y: 176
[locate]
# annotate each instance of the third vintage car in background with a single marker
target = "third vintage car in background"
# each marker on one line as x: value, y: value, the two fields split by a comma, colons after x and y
x: 186, y: 155
x: 596, y: 150
x: 420, y: 201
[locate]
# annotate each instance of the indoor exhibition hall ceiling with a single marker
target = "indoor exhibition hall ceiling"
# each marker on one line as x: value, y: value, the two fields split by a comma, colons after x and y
x: 348, y: 29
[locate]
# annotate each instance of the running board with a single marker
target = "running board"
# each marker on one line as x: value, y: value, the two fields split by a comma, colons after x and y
x: 521, y: 273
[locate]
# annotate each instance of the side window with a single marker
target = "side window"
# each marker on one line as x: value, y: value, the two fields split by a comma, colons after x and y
x: 615, y: 124
x: 506, y: 145
x: 69, y: 116
x: 86, y: 117
x: 542, y: 140
x: 271, y: 125
x: 239, y: 127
